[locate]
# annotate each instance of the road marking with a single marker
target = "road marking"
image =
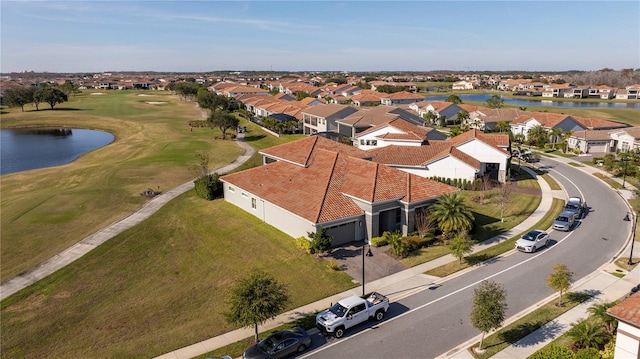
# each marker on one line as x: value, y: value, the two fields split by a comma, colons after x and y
x: 437, y: 299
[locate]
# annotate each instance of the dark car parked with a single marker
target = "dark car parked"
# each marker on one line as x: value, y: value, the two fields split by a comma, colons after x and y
x: 279, y: 345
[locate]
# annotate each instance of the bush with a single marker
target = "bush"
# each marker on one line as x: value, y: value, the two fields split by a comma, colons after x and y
x: 587, y: 353
x: 320, y: 241
x: 305, y: 244
x: 379, y: 241
x: 208, y: 187
x: 333, y: 264
x: 553, y: 351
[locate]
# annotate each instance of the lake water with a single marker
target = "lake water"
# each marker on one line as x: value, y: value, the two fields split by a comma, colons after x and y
x: 550, y: 103
x: 27, y: 149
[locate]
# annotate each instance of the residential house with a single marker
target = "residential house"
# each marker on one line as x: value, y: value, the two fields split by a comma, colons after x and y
x: 466, y: 157
x: 366, y: 98
x: 602, y: 91
x: 557, y: 90
x: 317, y: 183
x: 578, y: 92
x: 367, y: 117
x: 524, y: 123
x: 626, y: 139
x: 396, y: 132
x: 462, y: 85
x: 629, y: 93
x: 487, y: 119
x: 445, y: 111
x: 627, y: 312
x: 322, y: 118
x: 590, y: 141
x: 400, y: 98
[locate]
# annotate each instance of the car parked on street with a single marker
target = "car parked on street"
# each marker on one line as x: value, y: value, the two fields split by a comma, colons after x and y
x: 564, y: 221
x: 280, y: 344
x: 577, y: 206
x: 532, y: 241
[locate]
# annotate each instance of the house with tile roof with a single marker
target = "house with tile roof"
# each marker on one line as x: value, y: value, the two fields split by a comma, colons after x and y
x: 626, y: 139
x: 400, y: 98
x: 467, y: 156
x: 524, y: 123
x: 591, y: 141
x: 315, y: 182
x: 323, y: 118
x: 367, y: 117
x: 447, y: 111
x: 487, y: 119
x: 366, y: 98
x: 396, y: 132
x: 631, y: 92
x: 627, y: 312
x: 462, y: 85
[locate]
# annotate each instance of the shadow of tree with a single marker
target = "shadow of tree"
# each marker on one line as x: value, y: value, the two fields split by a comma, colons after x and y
x: 520, y: 337
x: 254, y: 138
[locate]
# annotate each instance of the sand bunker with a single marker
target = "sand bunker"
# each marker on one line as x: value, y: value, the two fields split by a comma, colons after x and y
x: 97, y: 93
x: 155, y: 102
x: 144, y: 94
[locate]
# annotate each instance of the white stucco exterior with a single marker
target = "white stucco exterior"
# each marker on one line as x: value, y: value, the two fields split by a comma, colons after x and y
x: 450, y: 167
x: 371, y: 139
x: 487, y: 154
x: 627, y: 342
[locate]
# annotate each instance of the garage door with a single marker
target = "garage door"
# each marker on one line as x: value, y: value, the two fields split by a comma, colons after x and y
x: 343, y: 234
x: 598, y: 147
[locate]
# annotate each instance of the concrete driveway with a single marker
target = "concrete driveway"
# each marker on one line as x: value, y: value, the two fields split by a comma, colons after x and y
x: 379, y: 265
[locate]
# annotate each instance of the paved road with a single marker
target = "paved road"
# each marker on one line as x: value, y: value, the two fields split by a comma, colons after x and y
x: 433, y: 321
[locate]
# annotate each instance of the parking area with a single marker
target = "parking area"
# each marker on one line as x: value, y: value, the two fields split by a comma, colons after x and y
x: 377, y: 266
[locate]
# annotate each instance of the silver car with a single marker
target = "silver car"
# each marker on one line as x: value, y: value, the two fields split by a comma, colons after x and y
x: 533, y: 240
x: 564, y: 221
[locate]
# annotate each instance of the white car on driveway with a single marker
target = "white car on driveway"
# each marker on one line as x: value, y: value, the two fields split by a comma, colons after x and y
x: 533, y: 240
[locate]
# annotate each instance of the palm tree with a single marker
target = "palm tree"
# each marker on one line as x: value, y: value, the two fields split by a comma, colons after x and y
x: 587, y: 335
x: 452, y: 214
x: 502, y: 126
x: 565, y: 136
x: 599, y: 310
x: 538, y: 135
x: 461, y: 117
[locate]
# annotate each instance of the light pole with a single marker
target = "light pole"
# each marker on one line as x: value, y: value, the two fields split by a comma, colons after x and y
x: 625, y: 159
x: 633, y: 234
x: 367, y: 254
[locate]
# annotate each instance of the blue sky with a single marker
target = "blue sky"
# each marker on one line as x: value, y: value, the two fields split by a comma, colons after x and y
x: 197, y: 36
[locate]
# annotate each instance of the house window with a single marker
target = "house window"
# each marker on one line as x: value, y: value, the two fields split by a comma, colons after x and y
x: 232, y: 189
x: 253, y: 203
x: 245, y: 195
x: 362, y: 142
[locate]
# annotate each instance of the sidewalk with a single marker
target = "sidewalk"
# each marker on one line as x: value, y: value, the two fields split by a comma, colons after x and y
x: 412, y: 280
x: 83, y: 247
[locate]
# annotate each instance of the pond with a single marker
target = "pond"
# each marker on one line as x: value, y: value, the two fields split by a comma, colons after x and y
x: 23, y: 149
x: 539, y: 102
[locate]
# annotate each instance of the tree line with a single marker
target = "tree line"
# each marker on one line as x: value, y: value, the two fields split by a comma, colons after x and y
x: 46, y: 93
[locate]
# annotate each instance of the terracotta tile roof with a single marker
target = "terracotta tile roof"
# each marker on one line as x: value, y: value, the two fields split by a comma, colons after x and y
x: 497, y: 140
x: 403, y: 95
x: 372, y: 116
x: 439, y: 105
x: 592, y: 135
x: 335, y: 177
x: 596, y: 123
x: 408, y: 155
x: 546, y: 119
x: 299, y: 152
x: 411, y: 131
x: 628, y: 310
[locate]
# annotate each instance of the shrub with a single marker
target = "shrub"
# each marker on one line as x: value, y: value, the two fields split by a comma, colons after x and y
x: 333, y: 264
x: 208, y: 187
x: 320, y: 241
x: 304, y: 243
x: 553, y: 351
x: 398, y: 245
x: 587, y: 353
x: 379, y: 241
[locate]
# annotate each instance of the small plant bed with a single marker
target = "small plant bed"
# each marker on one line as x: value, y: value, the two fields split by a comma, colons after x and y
x: 522, y: 327
x: 623, y: 263
x: 236, y: 349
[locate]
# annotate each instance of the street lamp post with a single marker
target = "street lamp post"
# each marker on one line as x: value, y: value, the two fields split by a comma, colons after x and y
x: 633, y: 235
x: 625, y: 159
x: 367, y: 254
